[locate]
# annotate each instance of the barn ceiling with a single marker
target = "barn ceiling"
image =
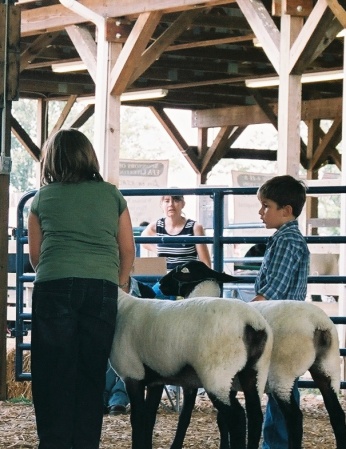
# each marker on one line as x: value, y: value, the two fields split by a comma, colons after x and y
x: 203, y: 54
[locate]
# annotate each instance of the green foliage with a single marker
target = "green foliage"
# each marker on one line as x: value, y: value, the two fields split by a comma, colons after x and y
x: 23, y: 173
x: 142, y: 136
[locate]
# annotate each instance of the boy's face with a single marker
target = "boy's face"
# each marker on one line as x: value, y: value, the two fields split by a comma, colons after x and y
x: 272, y: 216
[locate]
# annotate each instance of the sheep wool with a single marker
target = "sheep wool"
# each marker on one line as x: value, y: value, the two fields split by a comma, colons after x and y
x: 208, y: 289
x: 203, y: 333
x: 302, y: 333
x: 305, y: 339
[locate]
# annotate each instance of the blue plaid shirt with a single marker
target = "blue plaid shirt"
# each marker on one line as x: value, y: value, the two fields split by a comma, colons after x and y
x: 285, y: 267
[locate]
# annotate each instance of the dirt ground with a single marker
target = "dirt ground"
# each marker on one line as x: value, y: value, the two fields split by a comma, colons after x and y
x: 18, y: 430
x: 17, y: 427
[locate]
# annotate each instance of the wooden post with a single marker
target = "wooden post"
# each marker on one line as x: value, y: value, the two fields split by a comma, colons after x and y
x: 9, y: 60
x: 289, y: 112
x: 4, y: 201
x: 312, y: 202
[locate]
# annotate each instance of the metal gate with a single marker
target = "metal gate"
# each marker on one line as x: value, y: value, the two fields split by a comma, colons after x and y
x: 218, y: 240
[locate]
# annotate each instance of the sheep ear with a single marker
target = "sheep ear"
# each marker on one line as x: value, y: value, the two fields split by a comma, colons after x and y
x: 196, y: 269
x: 224, y: 277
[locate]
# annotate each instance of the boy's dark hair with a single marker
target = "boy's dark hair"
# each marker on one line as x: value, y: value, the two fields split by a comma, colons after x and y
x: 285, y: 191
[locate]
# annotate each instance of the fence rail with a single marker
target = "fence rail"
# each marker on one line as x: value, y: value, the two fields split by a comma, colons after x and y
x: 218, y: 240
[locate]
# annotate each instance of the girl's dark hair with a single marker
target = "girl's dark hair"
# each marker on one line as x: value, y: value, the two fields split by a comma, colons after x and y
x: 285, y: 191
x: 69, y: 157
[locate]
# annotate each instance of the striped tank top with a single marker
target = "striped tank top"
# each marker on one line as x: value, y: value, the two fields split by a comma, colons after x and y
x: 176, y: 253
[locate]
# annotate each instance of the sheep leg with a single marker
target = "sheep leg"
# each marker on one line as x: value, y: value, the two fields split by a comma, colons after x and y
x: 223, y: 422
x: 294, y: 420
x: 248, y: 382
x: 189, y: 399
x: 236, y: 423
x: 336, y: 417
x: 231, y: 421
x: 238, y: 430
x: 136, y: 390
x: 152, y: 402
x: 334, y: 409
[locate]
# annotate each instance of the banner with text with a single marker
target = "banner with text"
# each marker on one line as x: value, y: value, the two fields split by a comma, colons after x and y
x: 246, y: 207
x: 148, y: 174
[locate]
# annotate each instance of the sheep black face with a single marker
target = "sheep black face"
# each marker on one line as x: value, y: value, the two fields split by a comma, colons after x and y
x: 182, y: 279
x: 257, y: 250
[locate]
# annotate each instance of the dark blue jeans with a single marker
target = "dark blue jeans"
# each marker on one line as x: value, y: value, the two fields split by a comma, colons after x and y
x: 275, y: 434
x: 73, y: 322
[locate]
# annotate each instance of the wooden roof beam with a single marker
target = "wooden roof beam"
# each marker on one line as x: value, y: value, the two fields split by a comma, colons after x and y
x: 24, y: 138
x: 264, y: 27
x: 318, y: 31
x: 246, y: 115
x: 57, y: 17
x: 273, y: 118
x: 64, y: 114
x: 212, y: 42
x: 339, y: 11
x: 217, y: 149
x: 177, y: 138
x: 83, y: 116
x: 34, y: 49
x: 336, y: 157
x: 154, y: 51
x: 329, y: 140
x: 127, y: 62
x: 86, y: 47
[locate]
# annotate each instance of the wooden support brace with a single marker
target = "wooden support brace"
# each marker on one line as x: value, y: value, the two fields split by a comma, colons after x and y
x: 338, y: 11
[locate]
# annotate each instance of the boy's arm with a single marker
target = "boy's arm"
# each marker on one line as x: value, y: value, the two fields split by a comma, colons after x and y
x: 258, y: 298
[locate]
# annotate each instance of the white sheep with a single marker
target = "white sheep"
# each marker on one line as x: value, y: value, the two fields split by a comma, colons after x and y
x: 201, y: 342
x: 305, y: 339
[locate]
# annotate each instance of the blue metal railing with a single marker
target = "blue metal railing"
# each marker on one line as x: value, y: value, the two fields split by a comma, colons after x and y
x: 218, y: 240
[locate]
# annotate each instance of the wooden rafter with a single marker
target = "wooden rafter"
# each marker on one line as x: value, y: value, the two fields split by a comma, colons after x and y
x: 251, y: 153
x: 329, y: 140
x: 317, y: 33
x: 132, y: 51
x: 25, y: 139
x: 216, y: 149
x: 177, y: 138
x: 86, y: 47
x: 273, y: 118
x: 154, y: 51
x: 64, y: 113
x: 33, y: 50
x: 57, y: 17
x: 336, y: 157
x: 83, y: 116
x: 338, y: 10
x: 243, y: 115
x: 264, y: 28
x: 211, y: 42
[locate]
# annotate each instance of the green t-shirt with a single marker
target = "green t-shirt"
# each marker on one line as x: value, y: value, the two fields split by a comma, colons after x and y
x: 79, y: 224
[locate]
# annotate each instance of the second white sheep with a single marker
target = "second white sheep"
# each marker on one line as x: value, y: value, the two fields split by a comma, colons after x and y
x: 305, y: 339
